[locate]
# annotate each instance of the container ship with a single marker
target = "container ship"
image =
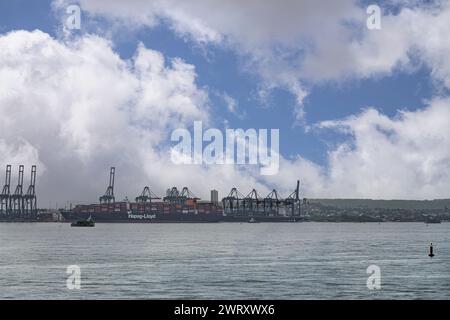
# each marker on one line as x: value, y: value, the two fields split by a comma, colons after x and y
x: 176, y: 206
x: 183, y: 210
x: 184, y: 206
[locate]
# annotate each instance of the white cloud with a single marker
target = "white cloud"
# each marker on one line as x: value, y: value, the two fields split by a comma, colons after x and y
x: 19, y: 151
x: 76, y: 108
x: 272, y: 38
x: 231, y: 104
x: 404, y: 157
x: 302, y: 42
x: 314, y: 41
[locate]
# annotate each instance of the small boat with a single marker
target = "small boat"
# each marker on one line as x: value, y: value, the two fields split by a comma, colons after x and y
x: 89, y: 222
x: 432, y: 220
x: 253, y: 220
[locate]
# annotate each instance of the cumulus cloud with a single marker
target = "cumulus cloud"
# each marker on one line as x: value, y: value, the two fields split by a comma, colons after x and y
x: 404, y: 157
x: 19, y: 151
x: 76, y: 108
x: 300, y: 43
x: 231, y: 104
x: 271, y: 38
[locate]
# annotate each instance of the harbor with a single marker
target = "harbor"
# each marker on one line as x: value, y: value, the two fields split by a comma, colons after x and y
x: 175, y: 206
x: 183, y: 206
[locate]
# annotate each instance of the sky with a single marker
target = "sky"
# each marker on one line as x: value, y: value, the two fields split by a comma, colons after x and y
x: 362, y: 113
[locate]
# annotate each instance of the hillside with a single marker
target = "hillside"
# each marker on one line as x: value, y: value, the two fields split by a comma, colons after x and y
x: 384, y: 204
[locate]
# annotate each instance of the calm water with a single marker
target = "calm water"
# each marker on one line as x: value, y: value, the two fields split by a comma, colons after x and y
x: 228, y: 261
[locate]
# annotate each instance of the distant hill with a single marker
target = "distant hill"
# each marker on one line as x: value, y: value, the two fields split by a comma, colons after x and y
x: 384, y: 204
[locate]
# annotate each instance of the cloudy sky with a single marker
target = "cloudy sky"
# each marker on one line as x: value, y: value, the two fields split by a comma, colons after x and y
x: 362, y: 113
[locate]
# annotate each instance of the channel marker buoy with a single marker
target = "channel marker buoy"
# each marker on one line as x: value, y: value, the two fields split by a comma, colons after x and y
x: 431, y: 254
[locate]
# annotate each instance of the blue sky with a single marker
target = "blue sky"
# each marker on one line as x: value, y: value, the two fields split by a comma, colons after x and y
x: 222, y: 69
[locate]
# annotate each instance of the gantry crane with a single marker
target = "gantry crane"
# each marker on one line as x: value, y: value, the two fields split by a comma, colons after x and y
x: 147, y: 195
x: 108, y: 197
x: 30, y: 198
x: 17, y: 200
x: 5, y: 196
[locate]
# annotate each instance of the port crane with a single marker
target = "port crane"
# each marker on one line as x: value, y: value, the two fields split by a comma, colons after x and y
x: 108, y: 197
x: 30, y: 196
x: 5, y: 200
x: 293, y: 200
x: 232, y: 203
x: 17, y: 201
x: 188, y: 194
x: 237, y: 203
x: 272, y: 202
x: 175, y: 196
x: 252, y: 202
x: 146, y: 195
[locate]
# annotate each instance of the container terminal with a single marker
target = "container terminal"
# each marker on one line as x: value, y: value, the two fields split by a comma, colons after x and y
x: 19, y: 205
x: 175, y: 206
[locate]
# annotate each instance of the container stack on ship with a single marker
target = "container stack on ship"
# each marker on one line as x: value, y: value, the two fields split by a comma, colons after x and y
x: 184, y: 206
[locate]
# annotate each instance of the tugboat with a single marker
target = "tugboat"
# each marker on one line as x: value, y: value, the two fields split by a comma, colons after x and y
x: 89, y: 222
x: 432, y: 220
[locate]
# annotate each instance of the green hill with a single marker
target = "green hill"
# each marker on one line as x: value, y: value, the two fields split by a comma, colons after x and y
x: 385, y: 204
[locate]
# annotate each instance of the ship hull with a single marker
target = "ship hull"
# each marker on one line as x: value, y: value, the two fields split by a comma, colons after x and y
x: 166, y: 212
x: 118, y: 217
